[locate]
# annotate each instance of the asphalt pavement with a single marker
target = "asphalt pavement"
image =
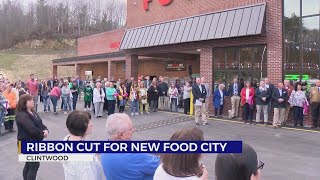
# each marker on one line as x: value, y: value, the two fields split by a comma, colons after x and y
x: 289, y: 154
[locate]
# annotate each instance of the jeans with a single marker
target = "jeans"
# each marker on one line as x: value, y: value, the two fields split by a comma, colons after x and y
x: 36, y: 99
x: 54, y: 100
x: 153, y: 106
x: 62, y: 103
x: 298, y: 115
x: 66, y: 103
x: 46, y: 103
x: 74, y: 101
x: 1, y: 118
x: 134, y: 106
x: 174, y: 101
x: 111, y: 106
x: 30, y: 170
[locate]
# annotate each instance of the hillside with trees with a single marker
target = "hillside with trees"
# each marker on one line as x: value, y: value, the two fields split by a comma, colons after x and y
x: 22, y: 20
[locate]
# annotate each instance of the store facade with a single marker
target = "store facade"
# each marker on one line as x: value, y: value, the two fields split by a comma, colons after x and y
x: 214, y: 39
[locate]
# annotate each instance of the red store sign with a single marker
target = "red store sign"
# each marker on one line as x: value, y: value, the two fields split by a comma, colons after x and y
x: 114, y: 45
x: 162, y: 2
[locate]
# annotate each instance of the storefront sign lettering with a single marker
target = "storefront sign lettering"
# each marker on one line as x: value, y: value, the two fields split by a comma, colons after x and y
x: 114, y: 45
x: 172, y: 66
x: 162, y: 2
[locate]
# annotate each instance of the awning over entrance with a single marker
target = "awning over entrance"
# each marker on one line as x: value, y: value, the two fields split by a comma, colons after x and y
x: 242, y: 21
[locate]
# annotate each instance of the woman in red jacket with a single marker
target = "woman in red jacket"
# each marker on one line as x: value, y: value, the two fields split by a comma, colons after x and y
x: 247, y: 100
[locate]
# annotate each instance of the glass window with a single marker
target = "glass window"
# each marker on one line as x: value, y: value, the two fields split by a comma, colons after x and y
x: 241, y: 62
x: 292, y: 29
x: 291, y: 8
x: 246, y: 56
x: 311, y: 29
x: 232, y: 59
x: 310, y: 7
x: 219, y: 59
x: 292, y: 57
x: 310, y: 57
x: 219, y: 77
x: 259, y: 62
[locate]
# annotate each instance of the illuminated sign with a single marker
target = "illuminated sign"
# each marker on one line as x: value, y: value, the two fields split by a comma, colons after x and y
x: 161, y: 2
x: 296, y: 77
x: 114, y: 45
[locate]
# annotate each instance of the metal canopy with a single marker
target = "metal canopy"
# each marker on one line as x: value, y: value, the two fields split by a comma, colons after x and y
x: 242, y: 21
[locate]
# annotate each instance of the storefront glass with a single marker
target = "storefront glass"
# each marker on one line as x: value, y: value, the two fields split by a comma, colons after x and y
x: 301, y: 44
x: 246, y: 63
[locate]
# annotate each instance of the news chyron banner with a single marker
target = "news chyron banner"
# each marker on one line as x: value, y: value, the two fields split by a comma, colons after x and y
x: 57, y: 151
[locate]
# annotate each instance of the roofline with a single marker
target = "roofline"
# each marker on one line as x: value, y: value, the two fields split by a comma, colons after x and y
x: 90, y: 57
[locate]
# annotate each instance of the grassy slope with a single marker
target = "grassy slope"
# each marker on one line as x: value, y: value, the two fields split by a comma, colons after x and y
x: 20, y: 63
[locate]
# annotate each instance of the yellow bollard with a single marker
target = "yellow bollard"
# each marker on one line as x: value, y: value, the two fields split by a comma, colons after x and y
x: 191, y: 104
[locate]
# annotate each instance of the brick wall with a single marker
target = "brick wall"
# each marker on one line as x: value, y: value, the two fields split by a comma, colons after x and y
x: 100, y: 43
x: 137, y: 16
x: 98, y: 69
x: 156, y: 67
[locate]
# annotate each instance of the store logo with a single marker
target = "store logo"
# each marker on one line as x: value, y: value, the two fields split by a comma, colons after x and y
x: 162, y: 2
x: 114, y: 45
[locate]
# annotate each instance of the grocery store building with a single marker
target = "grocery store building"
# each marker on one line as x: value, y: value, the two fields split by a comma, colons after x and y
x: 211, y: 38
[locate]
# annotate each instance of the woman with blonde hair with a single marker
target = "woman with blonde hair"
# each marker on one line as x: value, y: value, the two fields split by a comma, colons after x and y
x: 173, y: 95
x: 123, y: 95
x: 134, y: 98
x: 143, y: 98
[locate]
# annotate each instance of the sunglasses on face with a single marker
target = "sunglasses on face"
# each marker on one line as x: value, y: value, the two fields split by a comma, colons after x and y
x: 261, y: 165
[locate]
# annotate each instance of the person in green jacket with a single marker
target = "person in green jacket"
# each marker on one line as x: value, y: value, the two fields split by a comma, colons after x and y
x: 87, y: 97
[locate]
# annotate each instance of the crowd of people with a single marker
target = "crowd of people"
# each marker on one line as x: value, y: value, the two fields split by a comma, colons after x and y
x: 144, y: 96
x: 283, y: 98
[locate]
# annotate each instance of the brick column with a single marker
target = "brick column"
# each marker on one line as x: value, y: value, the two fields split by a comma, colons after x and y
x: 274, y: 40
x: 54, y: 71
x: 112, y: 71
x: 131, y: 66
x: 77, y: 69
x: 206, y: 70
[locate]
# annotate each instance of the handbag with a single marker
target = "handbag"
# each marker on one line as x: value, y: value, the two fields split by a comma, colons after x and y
x: 144, y: 101
x: 305, y: 107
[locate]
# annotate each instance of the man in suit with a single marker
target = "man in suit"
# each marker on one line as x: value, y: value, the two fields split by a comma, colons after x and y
x: 40, y: 88
x: 147, y: 82
x: 289, y: 89
x: 270, y: 88
x: 199, y: 100
x: 79, y: 84
x: 206, y: 85
x: 280, y: 98
x: 163, y: 95
x: 315, y: 103
x: 51, y: 82
x: 234, y: 91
